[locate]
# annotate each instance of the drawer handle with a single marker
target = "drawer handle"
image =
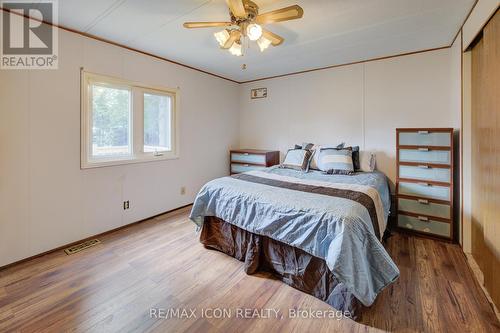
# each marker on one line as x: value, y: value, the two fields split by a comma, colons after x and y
x: 423, y: 149
x: 423, y: 218
x: 246, y: 165
x: 424, y: 184
x: 423, y: 132
x: 424, y: 167
x: 246, y: 154
x: 423, y: 201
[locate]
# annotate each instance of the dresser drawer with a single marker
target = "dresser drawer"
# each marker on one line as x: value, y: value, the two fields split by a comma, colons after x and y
x: 238, y: 168
x: 425, y: 156
x: 430, y: 226
x: 248, y: 158
x: 424, y: 190
x: 424, y: 207
x: 424, y: 172
x: 425, y: 139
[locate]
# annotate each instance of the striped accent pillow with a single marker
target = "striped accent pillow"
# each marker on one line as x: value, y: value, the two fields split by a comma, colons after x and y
x: 297, y: 159
x: 317, y: 148
x: 336, y: 161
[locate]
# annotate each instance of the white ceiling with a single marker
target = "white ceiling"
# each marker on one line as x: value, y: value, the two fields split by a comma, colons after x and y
x: 331, y: 31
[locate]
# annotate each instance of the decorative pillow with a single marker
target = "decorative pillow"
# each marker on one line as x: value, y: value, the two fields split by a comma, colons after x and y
x: 297, y: 159
x: 355, y: 158
x: 305, y: 145
x: 317, y: 148
x: 367, y: 161
x: 336, y: 161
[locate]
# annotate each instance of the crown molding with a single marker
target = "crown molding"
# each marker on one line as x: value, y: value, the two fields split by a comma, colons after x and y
x: 253, y: 80
x: 348, y: 64
x: 120, y: 45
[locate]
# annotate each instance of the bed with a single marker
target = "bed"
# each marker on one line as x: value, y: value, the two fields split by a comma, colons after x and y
x: 318, y: 233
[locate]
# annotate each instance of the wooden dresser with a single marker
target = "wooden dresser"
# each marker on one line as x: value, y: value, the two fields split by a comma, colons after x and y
x: 424, y: 186
x: 243, y: 160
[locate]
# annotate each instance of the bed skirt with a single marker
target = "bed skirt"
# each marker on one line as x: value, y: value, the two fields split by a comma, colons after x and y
x: 291, y: 265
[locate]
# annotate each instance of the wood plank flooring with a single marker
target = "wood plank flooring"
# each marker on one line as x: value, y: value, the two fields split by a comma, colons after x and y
x: 160, y: 264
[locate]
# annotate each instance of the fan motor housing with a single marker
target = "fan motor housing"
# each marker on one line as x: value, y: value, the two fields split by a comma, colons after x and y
x: 252, y: 10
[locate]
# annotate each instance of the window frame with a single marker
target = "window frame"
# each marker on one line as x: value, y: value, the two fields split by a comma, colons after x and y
x: 136, y: 130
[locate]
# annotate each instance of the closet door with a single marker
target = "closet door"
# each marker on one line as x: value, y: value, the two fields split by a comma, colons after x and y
x: 486, y: 155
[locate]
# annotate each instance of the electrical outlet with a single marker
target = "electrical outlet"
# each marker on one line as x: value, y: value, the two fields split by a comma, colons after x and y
x: 126, y: 205
x: 183, y: 190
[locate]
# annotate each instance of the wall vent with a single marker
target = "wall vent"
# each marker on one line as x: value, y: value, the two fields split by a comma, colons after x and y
x: 81, y: 246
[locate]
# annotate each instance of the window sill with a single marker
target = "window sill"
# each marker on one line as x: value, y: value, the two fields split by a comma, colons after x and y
x: 132, y: 160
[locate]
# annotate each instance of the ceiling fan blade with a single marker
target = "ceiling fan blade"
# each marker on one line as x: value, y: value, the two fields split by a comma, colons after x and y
x: 233, y: 37
x: 191, y: 25
x: 279, y: 15
x: 271, y: 36
x: 237, y: 8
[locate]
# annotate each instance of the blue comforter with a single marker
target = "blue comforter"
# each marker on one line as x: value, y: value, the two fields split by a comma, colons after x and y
x: 336, y: 229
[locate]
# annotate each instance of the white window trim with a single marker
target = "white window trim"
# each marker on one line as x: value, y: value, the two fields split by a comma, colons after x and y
x: 136, y: 119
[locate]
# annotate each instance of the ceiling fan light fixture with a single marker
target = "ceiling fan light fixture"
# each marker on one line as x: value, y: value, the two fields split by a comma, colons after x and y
x: 263, y: 43
x: 236, y: 49
x: 254, y: 31
x: 222, y: 37
x: 247, y: 24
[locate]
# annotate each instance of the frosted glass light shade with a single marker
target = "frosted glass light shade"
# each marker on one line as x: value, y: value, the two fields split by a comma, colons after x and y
x: 236, y: 49
x: 222, y: 37
x: 254, y: 31
x: 263, y: 43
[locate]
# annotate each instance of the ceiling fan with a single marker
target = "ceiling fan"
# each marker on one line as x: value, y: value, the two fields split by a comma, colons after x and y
x: 246, y: 22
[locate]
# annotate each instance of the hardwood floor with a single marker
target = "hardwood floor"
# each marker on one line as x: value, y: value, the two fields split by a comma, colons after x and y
x: 160, y: 264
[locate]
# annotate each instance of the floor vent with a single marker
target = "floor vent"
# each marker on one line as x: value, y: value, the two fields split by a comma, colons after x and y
x: 81, y: 246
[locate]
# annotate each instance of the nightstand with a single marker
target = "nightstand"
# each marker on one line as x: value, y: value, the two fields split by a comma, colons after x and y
x: 243, y: 160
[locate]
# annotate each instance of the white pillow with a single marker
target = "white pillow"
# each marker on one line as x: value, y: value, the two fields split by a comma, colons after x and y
x: 367, y: 161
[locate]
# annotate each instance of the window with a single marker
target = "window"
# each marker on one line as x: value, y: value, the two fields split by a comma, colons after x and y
x: 125, y: 122
x: 110, y: 121
x: 157, y: 110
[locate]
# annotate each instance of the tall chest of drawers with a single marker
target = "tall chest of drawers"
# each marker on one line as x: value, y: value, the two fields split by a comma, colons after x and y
x: 424, y: 185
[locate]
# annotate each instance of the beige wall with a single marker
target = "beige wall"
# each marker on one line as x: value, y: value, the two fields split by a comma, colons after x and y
x: 361, y: 104
x: 467, y: 153
x: 46, y: 200
x: 456, y: 65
